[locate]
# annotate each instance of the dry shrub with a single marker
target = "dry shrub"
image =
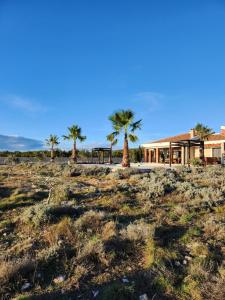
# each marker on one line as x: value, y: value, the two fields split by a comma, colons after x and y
x: 139, y: 231
x: 213, y: 290
x: 198, y: 249
x: 60, y: 194
x: 78, y: 273
x: 214, y: 230
x: 10, y: 270
x: 90, y: 221
x: 93, y: 251
x: 109, y: 230
x: 149, y: 253
x: 64, y: 230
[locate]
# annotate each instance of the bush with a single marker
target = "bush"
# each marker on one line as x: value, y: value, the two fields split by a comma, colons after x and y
x: 78, y: 170
x: 118, y: 291
x: 139, y: 231
x: 90, y: 221
x: 196, y: 162
x: 159, y: 183
x: 13, y: 269
x: 93, y: 251
x: 41, y: 214
x: 126, y: 173
x: 64, y: 230
x: 60, y: 194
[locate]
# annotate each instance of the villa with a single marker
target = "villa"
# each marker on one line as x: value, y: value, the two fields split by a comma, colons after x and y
x: 182, y: 148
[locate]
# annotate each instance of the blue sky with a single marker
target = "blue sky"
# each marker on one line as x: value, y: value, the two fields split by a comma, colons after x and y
x: 65, y: 62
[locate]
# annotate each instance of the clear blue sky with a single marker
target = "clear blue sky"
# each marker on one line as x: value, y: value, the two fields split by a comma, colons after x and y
x: 77, y: 61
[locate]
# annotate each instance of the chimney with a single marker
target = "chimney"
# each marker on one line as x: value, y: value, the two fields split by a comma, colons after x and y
x: 193, y: 134
x: 222, y: 130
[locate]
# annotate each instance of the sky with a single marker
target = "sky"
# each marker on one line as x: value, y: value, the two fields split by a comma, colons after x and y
x: 78, y: 61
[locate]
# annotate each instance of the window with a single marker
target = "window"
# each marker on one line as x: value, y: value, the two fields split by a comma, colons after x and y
x: 216, y: 152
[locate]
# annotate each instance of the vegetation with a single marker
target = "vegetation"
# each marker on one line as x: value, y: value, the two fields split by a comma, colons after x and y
x: 203, y: 132
x: 52, y: 141
x: 76, y: 232
x: 123, y: 122
x: 74, y: 135
x: 113, y: 141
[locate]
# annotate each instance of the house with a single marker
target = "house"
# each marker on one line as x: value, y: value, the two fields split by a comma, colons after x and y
x: 182, y: 148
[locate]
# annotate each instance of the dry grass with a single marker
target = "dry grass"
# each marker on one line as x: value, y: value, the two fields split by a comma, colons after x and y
x: 123, y: 235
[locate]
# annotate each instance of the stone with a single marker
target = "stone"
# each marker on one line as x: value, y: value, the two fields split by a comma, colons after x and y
x: 125, y: 280
x: 59, y: 279
x: 143, y: 297
x: 25, y: 286
x: 95, y: 293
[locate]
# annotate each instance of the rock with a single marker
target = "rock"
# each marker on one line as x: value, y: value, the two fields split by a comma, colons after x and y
x: 59, y: 279
x: 184, y: 262
x: 95, y: 293
x: 143, y: 297
x: 26, y: 286
x: 177, y: 263
x: 188, y: 258
x: 125, y: 280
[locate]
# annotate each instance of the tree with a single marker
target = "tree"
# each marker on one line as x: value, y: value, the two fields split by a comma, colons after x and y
x: 113, y: 141
x: 52, y: 141
x: 123, y: 122
x: 74, y: 135
x: 203, y: 132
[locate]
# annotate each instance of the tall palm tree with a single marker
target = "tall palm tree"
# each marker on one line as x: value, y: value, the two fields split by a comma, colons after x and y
x: 203, y: 132
x: 123, y: 122
x: 113, y: 141
x: 74, y: 135
x: 51, y: 142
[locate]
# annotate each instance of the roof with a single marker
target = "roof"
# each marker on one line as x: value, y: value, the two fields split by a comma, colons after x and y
x: 187, y: 136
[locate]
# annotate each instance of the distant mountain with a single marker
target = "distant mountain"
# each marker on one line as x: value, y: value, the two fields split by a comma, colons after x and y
x: 19, y: 143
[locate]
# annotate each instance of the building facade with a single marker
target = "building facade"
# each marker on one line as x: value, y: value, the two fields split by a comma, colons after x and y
x: 183, y: 148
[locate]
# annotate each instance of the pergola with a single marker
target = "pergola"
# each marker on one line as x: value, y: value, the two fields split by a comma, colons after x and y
x: 186, y: 144
x: 101, y: 153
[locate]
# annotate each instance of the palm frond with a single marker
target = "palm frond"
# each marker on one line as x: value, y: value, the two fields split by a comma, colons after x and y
x: 136, y: 125
x: 203, y: 131
x: 82, y: 138
x: 132, y: 137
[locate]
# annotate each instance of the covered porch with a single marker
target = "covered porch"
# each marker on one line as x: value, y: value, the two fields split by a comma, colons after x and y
x: 180, y: 152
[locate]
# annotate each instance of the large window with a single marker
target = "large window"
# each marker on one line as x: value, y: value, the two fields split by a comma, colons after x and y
x: 216, y: 152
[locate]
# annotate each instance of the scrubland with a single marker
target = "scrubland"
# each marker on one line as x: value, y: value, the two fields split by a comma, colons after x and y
x: 78, y: 232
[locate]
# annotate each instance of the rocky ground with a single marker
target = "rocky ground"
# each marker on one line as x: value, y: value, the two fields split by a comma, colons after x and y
x: 89, y: 233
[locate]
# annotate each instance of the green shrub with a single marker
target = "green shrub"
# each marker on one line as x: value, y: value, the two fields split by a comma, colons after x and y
x: 118, y: 291
x: 196, y: 162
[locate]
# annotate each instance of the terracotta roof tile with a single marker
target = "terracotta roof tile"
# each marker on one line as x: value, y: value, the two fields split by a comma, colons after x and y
x: 186, y: 136
x: 176, y: 138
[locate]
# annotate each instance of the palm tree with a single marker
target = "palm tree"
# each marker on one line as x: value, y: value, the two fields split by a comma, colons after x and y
x: 74, y: 134
x: 203, y: 132
x: 51, y: 142
x: 113, y: 141
x: 123, y: 122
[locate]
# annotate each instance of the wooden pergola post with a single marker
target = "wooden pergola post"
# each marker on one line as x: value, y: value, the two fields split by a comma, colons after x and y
x: 184, y: 155
x: 170, y: 154
x: 189, y: 153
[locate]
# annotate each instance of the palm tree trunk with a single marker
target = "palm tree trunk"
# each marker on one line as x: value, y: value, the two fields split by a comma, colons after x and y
x: 201, y: 152
x: 126, y: 159
x: 52, y: 154
x: 110, y: 155
x: 74, y: 152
